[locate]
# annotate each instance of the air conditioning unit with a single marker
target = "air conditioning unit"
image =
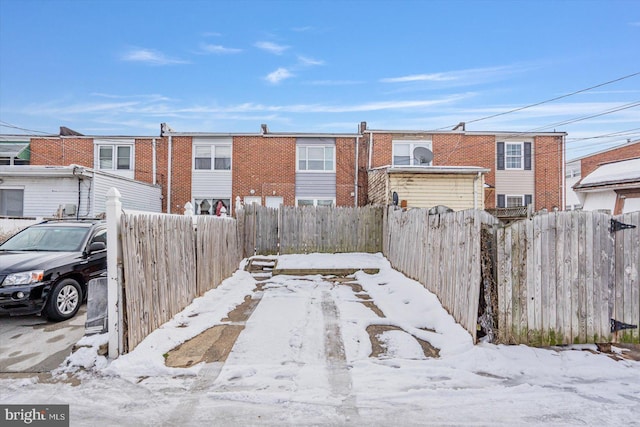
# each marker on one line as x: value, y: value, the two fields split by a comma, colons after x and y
x: 422, y: 156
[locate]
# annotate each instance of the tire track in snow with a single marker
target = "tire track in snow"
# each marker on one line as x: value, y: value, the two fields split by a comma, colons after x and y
x: 337, y: 370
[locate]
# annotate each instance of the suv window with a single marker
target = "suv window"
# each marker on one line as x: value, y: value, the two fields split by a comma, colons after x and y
x: 48, y: 238
x: 101, y: 236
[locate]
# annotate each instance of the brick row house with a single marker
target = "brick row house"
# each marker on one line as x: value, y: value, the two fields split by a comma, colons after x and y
x: 272, y: 168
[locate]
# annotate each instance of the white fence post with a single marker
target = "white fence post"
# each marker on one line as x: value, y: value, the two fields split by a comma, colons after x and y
x: 114, y: 261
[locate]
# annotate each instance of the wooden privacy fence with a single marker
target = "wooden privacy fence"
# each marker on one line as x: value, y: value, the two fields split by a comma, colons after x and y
x: 563, y: 276
x: 443, y: 253
x: 290, y: 230
x: 167, y: 263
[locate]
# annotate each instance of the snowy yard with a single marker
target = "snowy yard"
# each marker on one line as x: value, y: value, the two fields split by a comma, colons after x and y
x: 304, y: 357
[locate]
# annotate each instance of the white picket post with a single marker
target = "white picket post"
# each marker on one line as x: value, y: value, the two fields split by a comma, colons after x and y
x: 114, y: 260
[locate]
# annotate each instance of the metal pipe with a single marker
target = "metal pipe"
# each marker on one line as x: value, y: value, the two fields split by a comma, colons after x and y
x: 153, y: 161
x: 355, y: 203
x: 370, y: 148
x: 169, y: 155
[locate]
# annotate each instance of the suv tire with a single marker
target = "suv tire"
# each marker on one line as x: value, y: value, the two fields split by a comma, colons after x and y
x: 64, y: 300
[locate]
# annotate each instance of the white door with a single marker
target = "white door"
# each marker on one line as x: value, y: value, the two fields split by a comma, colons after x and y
x: 273, y: 201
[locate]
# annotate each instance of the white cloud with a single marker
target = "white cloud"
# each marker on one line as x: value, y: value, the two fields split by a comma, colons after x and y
x: 305, y: 60
x: 635, y: 24
x: 469, y: 76
x: 218, y: 49
x: 278, y: 75
x: 271, y: 47
x: 151, y: 57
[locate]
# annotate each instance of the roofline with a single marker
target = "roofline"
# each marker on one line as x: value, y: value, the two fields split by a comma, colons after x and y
x: 605, y: 150
x: 459, y: 170
x: 266, y: 135
x: 462, y: 132
x: 617, y: 184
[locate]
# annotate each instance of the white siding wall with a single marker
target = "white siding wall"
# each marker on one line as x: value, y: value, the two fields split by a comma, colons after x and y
x: 515, y: 182
x: 135, y: 195
x: 427, y: 190
x: 207, y: 184
x: 43, y: 196
x: 595, y: 200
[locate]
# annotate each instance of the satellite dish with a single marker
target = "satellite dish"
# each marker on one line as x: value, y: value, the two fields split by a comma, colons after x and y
x: 422, y: 156
x: 395, y: 198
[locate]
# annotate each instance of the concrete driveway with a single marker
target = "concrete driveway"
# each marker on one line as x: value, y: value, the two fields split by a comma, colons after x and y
x: 32, y: 344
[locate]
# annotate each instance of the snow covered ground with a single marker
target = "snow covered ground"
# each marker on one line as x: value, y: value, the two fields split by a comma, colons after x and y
x: 304, y: 358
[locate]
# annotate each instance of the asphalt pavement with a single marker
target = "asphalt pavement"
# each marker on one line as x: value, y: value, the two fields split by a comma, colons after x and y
x: 33, y: 344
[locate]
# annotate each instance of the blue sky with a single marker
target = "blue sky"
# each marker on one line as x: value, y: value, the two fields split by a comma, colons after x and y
x: 123, y: 67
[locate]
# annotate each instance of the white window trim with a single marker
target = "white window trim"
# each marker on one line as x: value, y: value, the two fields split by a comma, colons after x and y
x: 413, y: 143
x: 521, y: 144
x: 507, y: 196
x: 212, y: 155
x: 305, y: 146
x: 315, y: 200
x: 114, y: 155
x: 212, y: 201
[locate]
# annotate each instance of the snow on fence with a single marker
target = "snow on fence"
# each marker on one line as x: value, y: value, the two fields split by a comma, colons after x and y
x: 443, y: 253
x: 157, y: 265
x: 563, y: 276
x: 290, y: 230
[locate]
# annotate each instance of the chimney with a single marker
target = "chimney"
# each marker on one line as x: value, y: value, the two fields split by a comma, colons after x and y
x: 363, y: 127
x: 265, y: 128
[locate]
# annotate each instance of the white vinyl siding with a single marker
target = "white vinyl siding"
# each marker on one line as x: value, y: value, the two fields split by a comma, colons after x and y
x: 316, y: 185
x: 429, y: 190
x: 515, y: 182
x: 136, y: 195
x: 211, y: 178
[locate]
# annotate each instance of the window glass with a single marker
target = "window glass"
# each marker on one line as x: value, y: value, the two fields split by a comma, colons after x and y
x: 5, y: 161
x: 305, y: 202
x: 513, y: 158
x: 223, y: 157
x: 101, y: 236
x: 318, y: 158
x: 202, y: 157
x: 106, y: 157
x: 11, y: 202
x: 328, y: 158
x: 401, y: 154
x: 124, y: 158
x: 515, y: 201
x: 328, y: 202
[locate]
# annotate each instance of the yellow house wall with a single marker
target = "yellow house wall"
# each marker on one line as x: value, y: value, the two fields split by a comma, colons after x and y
x: 428, y: 190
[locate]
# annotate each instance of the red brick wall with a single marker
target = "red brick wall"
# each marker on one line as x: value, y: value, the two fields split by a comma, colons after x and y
x: 265, y: 165
x: 62, y: 151
x: 589, y: 164
x: 547, y: 163
x: 181, y: 164
x: 345, y: 171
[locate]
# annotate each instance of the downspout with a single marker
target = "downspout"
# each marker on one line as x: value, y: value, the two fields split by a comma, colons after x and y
x: 153, y: 161
x: 370, y: 148
x: 475, y: 190
x: 79, y: 192
x: 563, y: 179
x: 355, y: 203
x: 169, y: 155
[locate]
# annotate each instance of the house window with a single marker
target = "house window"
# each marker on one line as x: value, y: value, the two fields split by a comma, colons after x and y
x: 514, y: 201
x: 218, y: 156
x: 314, y: 202
x: 211, y: 206
x: 11, y: 202
x: 412, y: 153
x: 316, y: 158
x: 513, y: 156
x: 119, y: 155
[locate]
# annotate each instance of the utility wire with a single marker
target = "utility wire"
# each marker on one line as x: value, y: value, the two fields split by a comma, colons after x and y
x: 547, y: 101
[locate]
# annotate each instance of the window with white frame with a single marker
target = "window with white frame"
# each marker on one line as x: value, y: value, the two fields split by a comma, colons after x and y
x: 515, y: 201
x: 307, y: 201
x: 211, y: 206
x: 115, y: 157
x: 212, y: 157
x: 513, y: 155
x: 317, y: 158
x: 11, y: 202
x: 412, y: 153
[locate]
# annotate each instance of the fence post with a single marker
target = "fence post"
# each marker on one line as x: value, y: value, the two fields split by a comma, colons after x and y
x: 114, y: 261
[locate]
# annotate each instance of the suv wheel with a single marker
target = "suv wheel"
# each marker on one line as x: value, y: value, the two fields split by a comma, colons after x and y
x: 64, y: 300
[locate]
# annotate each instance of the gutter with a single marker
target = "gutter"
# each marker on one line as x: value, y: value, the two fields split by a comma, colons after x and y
x: 355, y: 203
x: 370, y: 148
x: 169, y: 156
x: 153, y: 161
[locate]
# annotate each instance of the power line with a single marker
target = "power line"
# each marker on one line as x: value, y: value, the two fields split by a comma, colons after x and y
x: 546, y: 101
x: 9, y: 125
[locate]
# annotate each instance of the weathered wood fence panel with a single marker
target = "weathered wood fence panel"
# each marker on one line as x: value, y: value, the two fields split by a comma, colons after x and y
x: 290, y: 230
x: 627, y: 302
x: 218, y: 251
x: 563, y: 276
x: 443, y: 253
x: 167, y: 263
x: 159, y: 271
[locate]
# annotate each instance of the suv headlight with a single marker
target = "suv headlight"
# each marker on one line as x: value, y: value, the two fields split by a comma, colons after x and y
x: 23, y: 278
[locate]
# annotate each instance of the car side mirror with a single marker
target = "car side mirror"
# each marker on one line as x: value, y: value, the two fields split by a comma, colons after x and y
x: 97, y: 246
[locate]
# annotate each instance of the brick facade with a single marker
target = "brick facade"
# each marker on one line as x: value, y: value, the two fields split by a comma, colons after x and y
x: 465, y: 149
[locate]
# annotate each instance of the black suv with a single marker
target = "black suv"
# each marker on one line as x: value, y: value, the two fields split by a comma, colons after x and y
x: 45, y: 268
